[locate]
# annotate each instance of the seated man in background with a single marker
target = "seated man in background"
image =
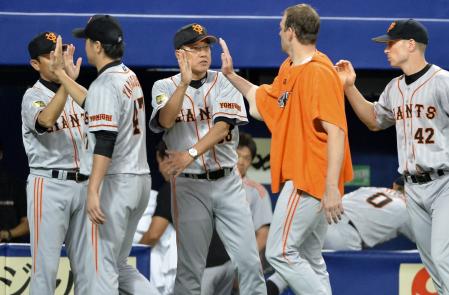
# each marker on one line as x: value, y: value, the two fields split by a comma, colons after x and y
x: 13, y: 209
x: 372, y: 215
x: 156, y: 229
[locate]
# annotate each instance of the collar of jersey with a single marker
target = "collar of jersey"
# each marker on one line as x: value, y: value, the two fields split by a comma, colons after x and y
x: 50, y: 85
x: 109, y: 65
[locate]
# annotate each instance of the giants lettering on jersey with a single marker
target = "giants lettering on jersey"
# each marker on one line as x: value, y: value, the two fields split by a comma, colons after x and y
x: 73, y: 121
x: 131, y: 83
x: 414, y: 111
x: 186, y: 115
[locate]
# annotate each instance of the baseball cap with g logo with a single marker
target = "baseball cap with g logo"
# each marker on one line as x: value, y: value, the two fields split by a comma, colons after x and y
x: 404, y: 30
x: 41, y: 44
x: 190, y: 34
x: 103, y: 28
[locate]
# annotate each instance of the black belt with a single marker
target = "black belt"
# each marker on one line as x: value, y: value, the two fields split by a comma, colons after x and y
x: 209, y: 175
x: 424, y: 177
x: 69, y: 175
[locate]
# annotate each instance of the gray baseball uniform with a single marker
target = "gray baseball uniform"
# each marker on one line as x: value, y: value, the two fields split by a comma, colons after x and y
x: 115, y: 103
x: 372, y: 216
x: 420, y: 111
x: 218, y: 198
x: 218, y: 280
x: 56, y: 201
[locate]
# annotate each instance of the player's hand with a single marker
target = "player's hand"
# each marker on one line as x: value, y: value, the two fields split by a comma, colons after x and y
x: 72, y: 70
x: 227, y: 68
x: 346, y: 73
x: 184, y: 66
x: 93, y: 208
x: 178, y: 161
x: 56, y: 64
x: 331, y: 204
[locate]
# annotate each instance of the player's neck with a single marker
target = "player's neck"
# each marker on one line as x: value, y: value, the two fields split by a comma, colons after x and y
x: 299, y: 53
x: 414, y: 66
x: 102, y: 62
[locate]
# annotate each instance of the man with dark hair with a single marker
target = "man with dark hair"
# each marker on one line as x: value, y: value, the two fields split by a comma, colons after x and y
x: 417, y: 104
x: 53, y: 132
x: 116, y: 161
x: 304, y: 110
x: 199, y: 112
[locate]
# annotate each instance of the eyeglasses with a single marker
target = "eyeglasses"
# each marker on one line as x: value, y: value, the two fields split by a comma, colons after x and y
x: 197, y: 49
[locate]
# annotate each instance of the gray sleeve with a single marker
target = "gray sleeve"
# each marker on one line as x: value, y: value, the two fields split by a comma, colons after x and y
x: 442, y: 91
x: 229, y: 102
x: 262, y: 211
x: 383, y: 110
x: 160, y: 95
x: 103, y: 107
x: 32, y: 105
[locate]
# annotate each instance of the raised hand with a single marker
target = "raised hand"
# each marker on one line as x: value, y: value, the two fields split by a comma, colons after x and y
x: 227, y: 67
x: 184, y: 66
x: 346, y: 73
x: 72, y: 70
x: 56, y: 60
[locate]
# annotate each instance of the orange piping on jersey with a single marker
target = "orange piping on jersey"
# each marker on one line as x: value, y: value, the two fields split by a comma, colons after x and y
x: 35, y: 225
x: 244, y: 117
x: 294, y: 204
x: 259, y: 187
x: 40, y: 199
x: 411, y: 99
x: 196, y: 127
x: 405, y: 130
x: 75, y: 148
x: 290, y: 199
x: 208, y: 123
x: 78, y: 127
x: 175, y: 206
x: 103, y: 125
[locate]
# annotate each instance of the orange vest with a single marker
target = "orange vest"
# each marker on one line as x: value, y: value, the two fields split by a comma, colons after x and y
x: 292, y: 107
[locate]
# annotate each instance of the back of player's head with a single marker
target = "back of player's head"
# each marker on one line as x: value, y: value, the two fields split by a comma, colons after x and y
x: 246, y: 140
x: 304, y: 21
x: 190, y: 34
x: 107, y: 30
x: 161, y: 149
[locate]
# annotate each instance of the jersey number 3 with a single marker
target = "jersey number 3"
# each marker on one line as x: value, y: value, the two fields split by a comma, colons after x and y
x: 138, y: 105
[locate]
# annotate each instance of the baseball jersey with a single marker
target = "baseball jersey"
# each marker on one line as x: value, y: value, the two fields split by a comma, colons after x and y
x: 59, y: 147
x: 115, y: 103
x: 300, y: 96
x: 378, y: 214
x: 259, y: 203
x: 420, y: 111
x: 201, y: 108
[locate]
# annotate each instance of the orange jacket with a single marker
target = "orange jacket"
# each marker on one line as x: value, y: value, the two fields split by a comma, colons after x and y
x: 312, y: 92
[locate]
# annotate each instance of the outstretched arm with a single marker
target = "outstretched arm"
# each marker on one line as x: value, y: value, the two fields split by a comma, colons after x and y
x: 246, y: 88
x: 363, y: 108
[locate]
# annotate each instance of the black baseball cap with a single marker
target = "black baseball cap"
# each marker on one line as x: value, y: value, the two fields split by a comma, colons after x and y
x: 405, y: 30
x: 103, y: 28
x: 43, y: 43
x: 190, y: 34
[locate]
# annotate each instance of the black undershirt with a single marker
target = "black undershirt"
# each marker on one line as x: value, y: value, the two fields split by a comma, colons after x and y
x: 109, y: 65
x: 53, y: 86
x: 412, y: 78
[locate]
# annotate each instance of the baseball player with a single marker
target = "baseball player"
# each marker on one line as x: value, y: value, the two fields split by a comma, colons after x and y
x: 417, y: 103
x: 304, y: 110
x: 199, y: 112
x: 53, y: 125
x: 119, y: 184
x: 218, y: 278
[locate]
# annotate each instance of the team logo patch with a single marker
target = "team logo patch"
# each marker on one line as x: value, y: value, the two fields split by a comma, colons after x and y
x: 282, y: 100
x: 38, y: 104
x: 161, y: 98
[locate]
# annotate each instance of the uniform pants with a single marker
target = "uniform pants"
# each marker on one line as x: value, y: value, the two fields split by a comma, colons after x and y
x: 196, y: 204
x: 428, y: 207
x: 56, y: 213
x: 295, y: 241
x: 124, y: 198
x: 342, y: 237
x: 218, y: 280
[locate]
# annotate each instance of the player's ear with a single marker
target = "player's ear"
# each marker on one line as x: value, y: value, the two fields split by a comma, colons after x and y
x: 35, y: 64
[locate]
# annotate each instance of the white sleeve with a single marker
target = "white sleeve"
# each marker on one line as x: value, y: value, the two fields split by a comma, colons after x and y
x: 160, y: 95
x: 103, y: 108
x: 32, y: 105
x: 442, y: 90
x: 383, y: 110
x: 229, y: 102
